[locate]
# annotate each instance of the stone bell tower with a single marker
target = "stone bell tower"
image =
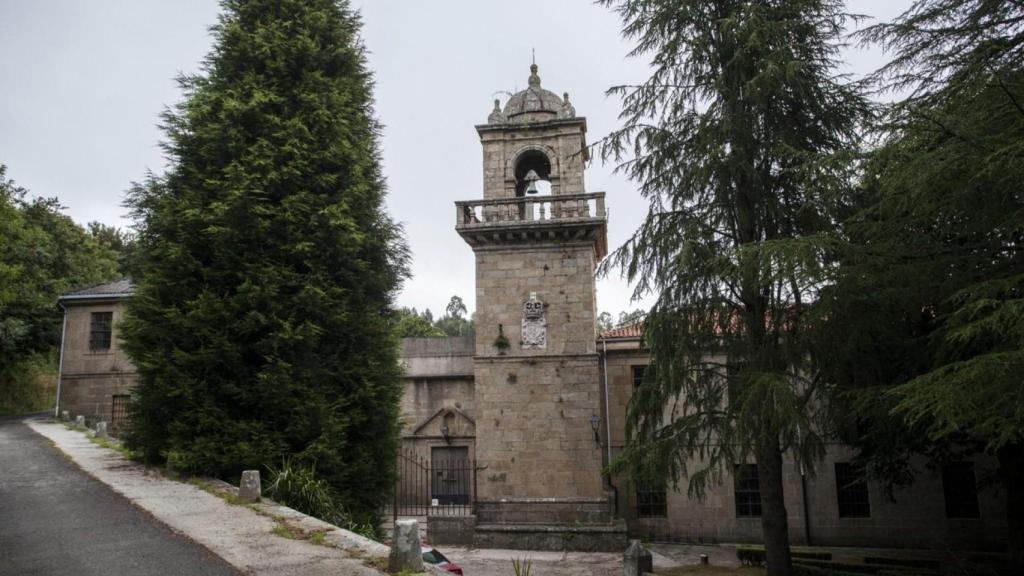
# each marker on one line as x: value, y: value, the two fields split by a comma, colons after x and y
x: 537, y: 236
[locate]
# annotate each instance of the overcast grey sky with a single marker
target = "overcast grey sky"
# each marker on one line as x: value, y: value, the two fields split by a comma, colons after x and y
x: 82, y: 83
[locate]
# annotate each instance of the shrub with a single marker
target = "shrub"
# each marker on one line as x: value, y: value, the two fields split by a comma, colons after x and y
x: 754, y: 555
x: 925, y: 563
x: 750, y: 555
x: 805, y: 570
x: 28, y: 385
x: 298, y: 487
x: 852, y: 568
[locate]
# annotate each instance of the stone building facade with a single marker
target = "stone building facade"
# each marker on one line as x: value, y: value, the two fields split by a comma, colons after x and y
x: 944, y: 508
x: 536, y: 399
x: 547, y: 395
x: 96, y: 377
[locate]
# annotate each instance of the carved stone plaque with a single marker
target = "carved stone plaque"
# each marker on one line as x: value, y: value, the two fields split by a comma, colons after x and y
x: 535, y: 325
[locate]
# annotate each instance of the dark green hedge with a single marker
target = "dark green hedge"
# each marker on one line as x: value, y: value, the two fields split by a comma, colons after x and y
x: 754, y: 555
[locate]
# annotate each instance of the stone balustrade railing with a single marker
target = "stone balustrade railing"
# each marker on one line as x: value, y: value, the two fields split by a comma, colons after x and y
x: 530, y: 209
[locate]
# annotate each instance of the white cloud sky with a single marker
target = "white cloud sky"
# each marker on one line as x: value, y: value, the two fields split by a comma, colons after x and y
x: 84, y: 83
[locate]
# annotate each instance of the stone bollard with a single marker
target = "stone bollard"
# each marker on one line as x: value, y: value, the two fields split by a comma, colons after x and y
x: 101, y: 429
x: 637, y: 560
x: 80, y: 421
x: 249, y: 488
x: 65, y: 416
x: 405, y: 548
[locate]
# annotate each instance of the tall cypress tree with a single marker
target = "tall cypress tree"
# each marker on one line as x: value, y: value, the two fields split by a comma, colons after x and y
x: 260, y: 325
x: 742, y: 141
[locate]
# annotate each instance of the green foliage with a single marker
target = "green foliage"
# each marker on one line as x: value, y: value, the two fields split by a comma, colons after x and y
x: 299, y: 487
x: 800, y: 569
x: 750, y: 555
x: 630, y: 317
x: 925, y: 563
x: 522, y: 566
x: 43, y: 254
x: 262, y: 322
x: 29, y: 384
x: 927, y: 316
x: 744, y: 141
x: 501, y: 341
x: 829, y: 568
x: 120, y: 242
x: 604, y: 322
x: 755, y: 556
x: 412, y: 324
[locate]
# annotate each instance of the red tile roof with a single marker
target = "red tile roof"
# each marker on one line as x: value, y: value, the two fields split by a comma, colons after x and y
x: 628, y: 331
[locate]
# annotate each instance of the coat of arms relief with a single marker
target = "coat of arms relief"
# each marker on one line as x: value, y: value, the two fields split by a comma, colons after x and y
x: 535, y: 325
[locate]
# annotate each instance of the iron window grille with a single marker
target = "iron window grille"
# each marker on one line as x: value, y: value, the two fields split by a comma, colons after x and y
x: 119, y: 411
x: 852, y: 491
x: 651, y: 503
x: 960, y: 488
x: 100, y: 331
x: 748, y: 491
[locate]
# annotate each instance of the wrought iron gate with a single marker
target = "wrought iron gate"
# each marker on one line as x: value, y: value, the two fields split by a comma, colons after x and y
x: 443, y: 485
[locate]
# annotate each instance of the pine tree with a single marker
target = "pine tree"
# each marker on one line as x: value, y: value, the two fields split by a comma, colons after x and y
x: 931, y: 298
x: 262, y: 326
x: 742, y: 140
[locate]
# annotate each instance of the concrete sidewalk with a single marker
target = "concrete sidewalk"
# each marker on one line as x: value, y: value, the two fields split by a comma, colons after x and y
x: 241, y: 535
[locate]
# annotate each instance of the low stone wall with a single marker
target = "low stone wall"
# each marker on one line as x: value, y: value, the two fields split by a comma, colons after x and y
x: 451, y: 530
x: 544, y: 511
x: 606, y: 538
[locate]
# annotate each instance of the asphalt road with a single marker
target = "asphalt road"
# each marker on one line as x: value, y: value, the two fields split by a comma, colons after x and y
x: 55, y: 519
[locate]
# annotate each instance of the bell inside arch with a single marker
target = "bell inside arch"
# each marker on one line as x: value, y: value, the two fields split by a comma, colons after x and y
x: 531, y: 179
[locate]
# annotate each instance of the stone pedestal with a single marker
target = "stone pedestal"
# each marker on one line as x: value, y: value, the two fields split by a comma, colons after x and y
x: 637, y: 560
x: 249, y: 489
x: 405, y: 548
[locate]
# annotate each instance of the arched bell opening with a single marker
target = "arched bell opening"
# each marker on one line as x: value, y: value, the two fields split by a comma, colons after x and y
x: 533, y: 174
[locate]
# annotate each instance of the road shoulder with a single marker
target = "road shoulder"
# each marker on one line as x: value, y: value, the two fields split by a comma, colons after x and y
x: 243, y: 536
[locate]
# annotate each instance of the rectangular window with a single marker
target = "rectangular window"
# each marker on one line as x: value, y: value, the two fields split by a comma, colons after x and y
x: 961, y: 490
x: 638, y: 376
x: 100, y: 331
x: 651, y: 503
x: 852, y: 491
x: 748, y: 491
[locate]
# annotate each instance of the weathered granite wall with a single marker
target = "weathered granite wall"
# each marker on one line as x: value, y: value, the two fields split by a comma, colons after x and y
x: 91, y: 378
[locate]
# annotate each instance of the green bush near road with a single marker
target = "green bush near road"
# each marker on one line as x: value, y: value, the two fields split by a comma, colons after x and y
x: 29, y: 385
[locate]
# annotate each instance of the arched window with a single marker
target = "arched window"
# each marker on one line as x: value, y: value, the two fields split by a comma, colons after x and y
x: 538, y: 162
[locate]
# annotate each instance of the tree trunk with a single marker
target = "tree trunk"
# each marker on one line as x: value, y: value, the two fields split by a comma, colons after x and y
x: 774, y: 524
x: 1011, y: 462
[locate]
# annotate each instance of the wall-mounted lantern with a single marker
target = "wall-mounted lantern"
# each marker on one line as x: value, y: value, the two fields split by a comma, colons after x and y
x: 595, y: 423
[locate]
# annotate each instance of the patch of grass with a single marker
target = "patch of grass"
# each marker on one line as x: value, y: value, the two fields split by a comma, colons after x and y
x: 114, y: 445
x: 213, y: 491
x: 378, y: 563
x: 283, y: 530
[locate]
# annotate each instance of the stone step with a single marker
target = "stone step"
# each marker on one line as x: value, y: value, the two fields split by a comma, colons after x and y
x: 605, y: 537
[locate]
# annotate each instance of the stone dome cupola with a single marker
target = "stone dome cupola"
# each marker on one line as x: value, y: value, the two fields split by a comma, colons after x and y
x: 534, y: 104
